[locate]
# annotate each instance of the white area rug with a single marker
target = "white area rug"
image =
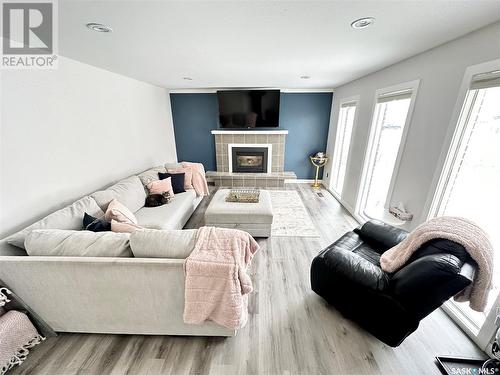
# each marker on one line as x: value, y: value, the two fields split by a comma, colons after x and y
x: 291, y: 218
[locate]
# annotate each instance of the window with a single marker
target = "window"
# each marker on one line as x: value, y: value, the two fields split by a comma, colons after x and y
x: 391, y: 114
x: 471, y: 177
x: 342, y: 143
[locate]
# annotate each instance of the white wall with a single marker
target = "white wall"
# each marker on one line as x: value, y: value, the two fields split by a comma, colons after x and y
x: 441, y: 71
x: 68, y: 132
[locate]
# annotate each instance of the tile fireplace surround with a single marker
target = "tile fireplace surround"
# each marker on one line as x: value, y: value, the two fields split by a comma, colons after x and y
x: 275, y: 177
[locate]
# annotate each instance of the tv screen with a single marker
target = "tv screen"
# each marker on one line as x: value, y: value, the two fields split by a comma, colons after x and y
x: 249, y: 108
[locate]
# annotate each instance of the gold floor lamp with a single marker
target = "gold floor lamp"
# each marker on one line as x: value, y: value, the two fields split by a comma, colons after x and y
x: 319, y: 160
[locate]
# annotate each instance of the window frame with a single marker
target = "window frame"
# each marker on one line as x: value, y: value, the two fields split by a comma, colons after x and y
x: 452, y: 139
x: 369, y: 147
x: 351, y: 99
x: 444, y: 169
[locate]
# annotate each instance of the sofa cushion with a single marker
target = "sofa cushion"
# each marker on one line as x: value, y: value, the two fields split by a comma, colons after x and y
x: 128, y: 191
x: 168, y: 216
x: 151, y: 175
x: 152, y: 243
x: 69, y: 217
x: 121, y: 227
x: 56, y: 242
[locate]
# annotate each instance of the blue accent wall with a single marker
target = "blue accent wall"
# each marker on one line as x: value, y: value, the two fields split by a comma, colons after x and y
x: 194, y: 116
x: 306, y: 116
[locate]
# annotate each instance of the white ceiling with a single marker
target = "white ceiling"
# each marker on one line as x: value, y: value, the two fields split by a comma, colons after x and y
x: 260, y: 43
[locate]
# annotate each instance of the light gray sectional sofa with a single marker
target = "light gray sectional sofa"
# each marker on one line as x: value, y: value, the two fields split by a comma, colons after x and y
x: 123, y: 295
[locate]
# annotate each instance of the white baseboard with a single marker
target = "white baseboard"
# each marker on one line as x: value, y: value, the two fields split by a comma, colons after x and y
x: 301, y: 181
x: 346, y: 205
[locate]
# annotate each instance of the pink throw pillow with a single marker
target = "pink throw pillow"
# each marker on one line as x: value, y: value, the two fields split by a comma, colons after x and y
x: 118, y: 212
x: 188, y: 176
x: 124, y: 227
x: 161, y: 186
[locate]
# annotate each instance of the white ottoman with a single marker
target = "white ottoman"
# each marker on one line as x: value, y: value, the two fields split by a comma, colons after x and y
x: 254, y: 218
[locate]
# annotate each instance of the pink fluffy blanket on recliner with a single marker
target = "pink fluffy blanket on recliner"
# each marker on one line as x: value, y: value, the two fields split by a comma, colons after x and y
x: 217, y: 284
x: 461, y: 231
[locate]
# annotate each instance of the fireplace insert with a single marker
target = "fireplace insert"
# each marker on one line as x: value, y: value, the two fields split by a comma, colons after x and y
x: 250, y: 159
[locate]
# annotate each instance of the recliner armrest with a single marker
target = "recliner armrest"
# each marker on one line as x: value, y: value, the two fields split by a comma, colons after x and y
x: 424, y: 284
x: 468, y: 271
x: 348, y: 266
x: 381, y: 236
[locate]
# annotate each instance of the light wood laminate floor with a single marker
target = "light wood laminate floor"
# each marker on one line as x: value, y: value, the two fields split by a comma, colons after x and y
x: 290, y: 330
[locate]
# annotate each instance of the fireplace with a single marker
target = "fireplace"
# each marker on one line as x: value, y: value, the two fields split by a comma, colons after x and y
x: 245, y: 159
x: 253, y: 170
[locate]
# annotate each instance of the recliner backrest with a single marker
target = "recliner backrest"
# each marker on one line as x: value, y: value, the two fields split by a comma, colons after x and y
x: 380, y: 236
x: 441, y: 246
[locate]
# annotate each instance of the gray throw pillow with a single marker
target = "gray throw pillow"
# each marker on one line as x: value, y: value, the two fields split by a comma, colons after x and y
x: 151, y: 175
x: 129, y: 191
x: 69, y: 217
x: 56, y: 242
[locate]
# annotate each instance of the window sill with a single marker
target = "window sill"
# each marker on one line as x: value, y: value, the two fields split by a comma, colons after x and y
x: 385, y: 216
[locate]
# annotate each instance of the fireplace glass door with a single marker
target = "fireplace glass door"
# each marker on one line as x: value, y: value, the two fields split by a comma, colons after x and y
x: 249, y: 159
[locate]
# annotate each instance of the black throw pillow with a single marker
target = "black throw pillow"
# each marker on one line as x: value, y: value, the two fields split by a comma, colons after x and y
x: 177, y: 180
x: 94, y: 224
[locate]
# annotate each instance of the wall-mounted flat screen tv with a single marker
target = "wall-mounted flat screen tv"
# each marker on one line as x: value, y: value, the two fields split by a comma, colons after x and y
x: 249, y: 108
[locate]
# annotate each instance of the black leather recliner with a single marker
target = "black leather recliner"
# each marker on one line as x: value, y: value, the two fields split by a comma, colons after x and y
x: 390, y: 306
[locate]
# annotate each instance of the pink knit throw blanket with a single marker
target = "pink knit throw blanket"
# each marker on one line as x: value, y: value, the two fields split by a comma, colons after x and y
x: 217, y: 284
x: 461, y: 231
x: 17, y: 335
x: 199, y: 181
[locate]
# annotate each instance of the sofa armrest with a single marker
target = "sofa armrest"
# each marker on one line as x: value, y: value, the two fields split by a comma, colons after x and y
x: 381, y: 236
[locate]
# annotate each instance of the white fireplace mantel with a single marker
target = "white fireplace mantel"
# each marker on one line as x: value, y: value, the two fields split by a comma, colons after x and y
x: 249, y: 131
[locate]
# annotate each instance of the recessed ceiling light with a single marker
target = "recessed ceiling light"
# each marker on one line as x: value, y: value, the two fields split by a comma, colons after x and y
x: 362, y: 23
x: 187, y: 78
x: 305, y: 77
x: 99, y: 27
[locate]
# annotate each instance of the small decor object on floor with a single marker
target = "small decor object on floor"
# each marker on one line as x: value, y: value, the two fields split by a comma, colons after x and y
x: 319, y: 160
x: 243, y: 196
x: 401, y: 212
